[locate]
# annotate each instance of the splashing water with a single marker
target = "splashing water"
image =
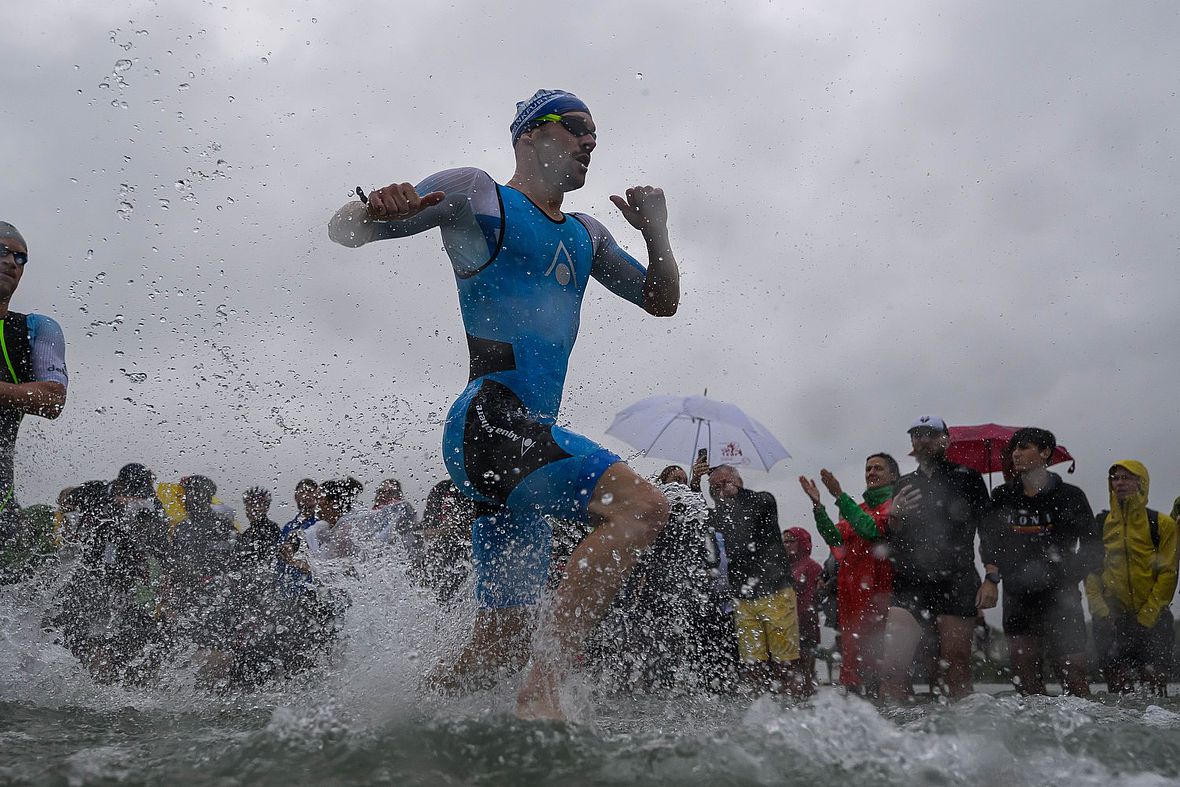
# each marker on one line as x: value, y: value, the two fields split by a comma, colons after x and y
x: 362, y: 716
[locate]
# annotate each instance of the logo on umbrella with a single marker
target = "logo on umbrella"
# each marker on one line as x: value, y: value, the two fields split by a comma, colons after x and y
x: 731, y: 451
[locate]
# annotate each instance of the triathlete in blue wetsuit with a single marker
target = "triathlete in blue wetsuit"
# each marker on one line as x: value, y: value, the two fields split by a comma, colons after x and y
x: 522, y: 267
x: 33, y: 376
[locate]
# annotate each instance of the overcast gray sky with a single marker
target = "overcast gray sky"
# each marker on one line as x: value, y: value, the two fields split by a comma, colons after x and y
x: 880, y: 210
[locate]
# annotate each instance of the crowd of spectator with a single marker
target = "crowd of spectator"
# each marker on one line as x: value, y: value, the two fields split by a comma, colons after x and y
x: 907, y: 578
x: 156, y: 571
x: 901, y: 585
x: 726, y: 599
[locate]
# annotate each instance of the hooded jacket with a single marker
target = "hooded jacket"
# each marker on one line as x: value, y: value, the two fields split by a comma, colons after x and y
x: 1136, y: 578
x: 805, y: 572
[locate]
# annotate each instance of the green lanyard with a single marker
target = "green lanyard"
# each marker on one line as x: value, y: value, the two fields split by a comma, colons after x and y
x: 11, y: 371
x: 4, y: 347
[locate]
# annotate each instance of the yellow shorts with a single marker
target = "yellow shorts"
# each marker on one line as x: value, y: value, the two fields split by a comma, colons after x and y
x: 768, y: 627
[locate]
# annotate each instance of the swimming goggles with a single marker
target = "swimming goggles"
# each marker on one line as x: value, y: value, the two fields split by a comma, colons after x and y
x: 574, y: 125
x: 21, y: 258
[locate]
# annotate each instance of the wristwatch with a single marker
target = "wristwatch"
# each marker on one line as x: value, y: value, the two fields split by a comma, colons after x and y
x: 994, y: 577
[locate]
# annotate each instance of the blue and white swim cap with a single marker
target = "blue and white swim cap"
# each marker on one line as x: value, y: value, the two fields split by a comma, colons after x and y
x: 544, y: 102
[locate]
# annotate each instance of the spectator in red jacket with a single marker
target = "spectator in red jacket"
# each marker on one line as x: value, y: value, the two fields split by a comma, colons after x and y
x: 865, y: 578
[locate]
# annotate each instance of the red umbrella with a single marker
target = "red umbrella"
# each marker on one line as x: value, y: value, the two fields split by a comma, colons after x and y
x: 983, y: 448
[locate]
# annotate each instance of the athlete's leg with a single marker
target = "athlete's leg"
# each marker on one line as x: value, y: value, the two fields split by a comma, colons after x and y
x: 510, y: 556
x: 955, y: 634
x: 632, y: 513
x: 499, y: 646
x: 903, y: 633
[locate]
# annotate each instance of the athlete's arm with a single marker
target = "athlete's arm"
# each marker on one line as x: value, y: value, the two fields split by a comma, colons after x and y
x: 46, y: 395
x: 622, y: 274
x: 647, y: 211
x: 400, y: 210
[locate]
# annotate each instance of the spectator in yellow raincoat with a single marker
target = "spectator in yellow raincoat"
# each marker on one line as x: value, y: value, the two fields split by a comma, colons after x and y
x: 1129, y: 600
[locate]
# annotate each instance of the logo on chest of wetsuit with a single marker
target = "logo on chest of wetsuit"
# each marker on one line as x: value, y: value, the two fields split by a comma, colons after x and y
x: 562, y: 266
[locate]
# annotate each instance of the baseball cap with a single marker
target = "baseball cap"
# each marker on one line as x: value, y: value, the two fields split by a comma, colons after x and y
x: 929, y: 422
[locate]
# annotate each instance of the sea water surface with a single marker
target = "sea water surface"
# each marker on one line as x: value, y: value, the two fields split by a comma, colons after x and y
x: 362, y: 718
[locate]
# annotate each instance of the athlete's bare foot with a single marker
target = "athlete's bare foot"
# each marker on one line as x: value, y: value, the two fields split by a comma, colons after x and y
x: 540, y: 698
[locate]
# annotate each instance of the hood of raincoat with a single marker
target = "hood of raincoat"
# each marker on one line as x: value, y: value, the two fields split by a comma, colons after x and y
x: 804, y: 539
x: 1140, y: 471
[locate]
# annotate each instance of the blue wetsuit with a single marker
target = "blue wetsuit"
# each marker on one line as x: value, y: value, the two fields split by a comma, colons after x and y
x: 521, y: 277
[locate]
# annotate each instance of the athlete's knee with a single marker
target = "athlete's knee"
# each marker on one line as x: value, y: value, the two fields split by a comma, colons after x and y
x: 651, y: 510
x: 655, y: 507
x: 637, y: 519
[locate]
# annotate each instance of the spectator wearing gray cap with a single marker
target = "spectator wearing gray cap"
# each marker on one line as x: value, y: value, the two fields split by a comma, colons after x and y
x: 33, y: 376
x: 936, y: 513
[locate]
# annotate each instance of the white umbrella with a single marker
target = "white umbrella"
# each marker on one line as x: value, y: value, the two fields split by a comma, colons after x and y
x: 674, y: 427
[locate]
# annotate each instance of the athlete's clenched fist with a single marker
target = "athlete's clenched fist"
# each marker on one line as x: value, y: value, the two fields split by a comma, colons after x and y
x: 644, y: 207
x: 400, y: 201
